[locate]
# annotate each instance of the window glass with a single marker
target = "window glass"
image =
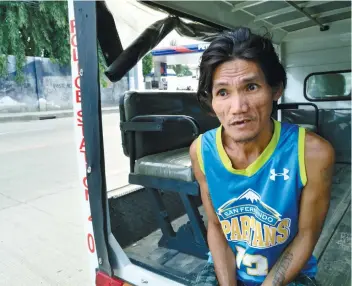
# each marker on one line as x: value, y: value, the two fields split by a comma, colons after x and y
x: 328, y: 86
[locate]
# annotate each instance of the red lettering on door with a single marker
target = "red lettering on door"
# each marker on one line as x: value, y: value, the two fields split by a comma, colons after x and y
x: 74, y: 41
x: 83, y: 145
x: 85, y: 156
x: 78, y: 82
x: 78, y: 96
x: 91, y: 245
x: 79, y: 119
x: 85, y: 182
x: 72, y: 26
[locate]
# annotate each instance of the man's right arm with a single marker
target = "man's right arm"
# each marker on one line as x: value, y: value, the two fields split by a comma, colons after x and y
x: 223, y: 256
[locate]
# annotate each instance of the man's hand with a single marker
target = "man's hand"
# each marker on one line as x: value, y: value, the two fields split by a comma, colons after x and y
x: 314, y: 205
x: 222, y: 254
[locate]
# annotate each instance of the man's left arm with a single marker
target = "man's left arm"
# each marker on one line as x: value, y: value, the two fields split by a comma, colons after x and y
x: 314, y: 205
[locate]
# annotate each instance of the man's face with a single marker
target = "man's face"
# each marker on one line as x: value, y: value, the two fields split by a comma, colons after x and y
x: 242, y: 99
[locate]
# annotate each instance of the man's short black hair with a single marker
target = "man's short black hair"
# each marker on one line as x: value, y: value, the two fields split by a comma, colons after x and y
x: 239, y: 43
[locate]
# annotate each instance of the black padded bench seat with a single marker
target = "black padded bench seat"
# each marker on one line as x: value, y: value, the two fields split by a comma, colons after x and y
x: 157, y: 129
x: 302, y: 121
x: 174, y: 164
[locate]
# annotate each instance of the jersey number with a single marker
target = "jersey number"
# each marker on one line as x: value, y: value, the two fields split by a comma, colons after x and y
x: 256, y: 265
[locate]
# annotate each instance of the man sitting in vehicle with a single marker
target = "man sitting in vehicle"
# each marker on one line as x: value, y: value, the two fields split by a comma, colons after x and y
x: 265, y: 185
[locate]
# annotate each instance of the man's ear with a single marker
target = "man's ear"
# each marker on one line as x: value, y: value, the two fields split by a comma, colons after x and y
x: 277, y: 92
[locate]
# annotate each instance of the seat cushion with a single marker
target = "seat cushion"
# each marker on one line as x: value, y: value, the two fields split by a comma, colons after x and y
x: 175, y: 164
x: 309, y: 127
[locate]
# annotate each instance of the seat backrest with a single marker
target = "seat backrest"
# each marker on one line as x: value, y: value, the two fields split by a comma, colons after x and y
x: 176, y: 135
x: 334, y: 126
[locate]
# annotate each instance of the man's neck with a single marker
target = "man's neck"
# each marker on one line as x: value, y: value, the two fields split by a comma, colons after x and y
x: 242, y: 154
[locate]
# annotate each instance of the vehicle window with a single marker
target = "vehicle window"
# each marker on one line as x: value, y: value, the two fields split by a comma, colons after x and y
x: 328, y: 86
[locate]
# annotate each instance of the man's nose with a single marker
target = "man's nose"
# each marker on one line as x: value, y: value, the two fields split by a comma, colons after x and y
x: 238, y: 104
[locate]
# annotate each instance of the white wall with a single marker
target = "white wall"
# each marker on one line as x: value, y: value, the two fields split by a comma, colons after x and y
x: 311, y: 51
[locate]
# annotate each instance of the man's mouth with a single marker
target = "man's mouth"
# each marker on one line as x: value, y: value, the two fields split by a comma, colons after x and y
x: 240, y: 122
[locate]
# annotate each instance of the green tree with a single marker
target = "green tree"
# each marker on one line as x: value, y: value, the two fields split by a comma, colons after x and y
x: 147, y: 64
x: 177, y: 69
x: 186, y: 71
x: 35, y: 28
x: 181, y: 70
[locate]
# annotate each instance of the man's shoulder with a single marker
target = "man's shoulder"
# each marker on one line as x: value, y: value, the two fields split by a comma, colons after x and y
x: 197, y: 144
x: 318, y: 150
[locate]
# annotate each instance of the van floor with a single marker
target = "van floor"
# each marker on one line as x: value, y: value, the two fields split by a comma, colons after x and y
x: 333, y: 249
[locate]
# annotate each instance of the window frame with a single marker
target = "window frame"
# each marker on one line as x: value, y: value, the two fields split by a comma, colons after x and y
x: 339, y: 98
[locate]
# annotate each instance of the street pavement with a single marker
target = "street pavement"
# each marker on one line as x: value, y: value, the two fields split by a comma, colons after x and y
x: 42, y: 239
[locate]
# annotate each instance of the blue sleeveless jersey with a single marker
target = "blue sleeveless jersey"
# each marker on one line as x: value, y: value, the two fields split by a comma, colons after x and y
x: 258, y: 207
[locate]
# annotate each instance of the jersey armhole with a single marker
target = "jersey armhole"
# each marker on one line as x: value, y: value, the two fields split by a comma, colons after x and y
x: 199, y: 153
x: 301, y: 159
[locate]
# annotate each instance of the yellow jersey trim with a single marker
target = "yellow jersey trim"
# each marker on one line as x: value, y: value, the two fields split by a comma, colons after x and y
x: 301, y: 161
x: 258, y: 163
x: 199, y: 153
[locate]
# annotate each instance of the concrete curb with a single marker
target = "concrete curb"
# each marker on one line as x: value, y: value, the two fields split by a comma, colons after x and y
x: 45, y: 115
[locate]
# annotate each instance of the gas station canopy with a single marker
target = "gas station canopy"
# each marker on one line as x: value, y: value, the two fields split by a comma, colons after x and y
x: 181, y: 54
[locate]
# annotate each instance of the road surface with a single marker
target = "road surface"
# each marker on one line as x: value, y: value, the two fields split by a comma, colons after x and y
x: 42, y: 239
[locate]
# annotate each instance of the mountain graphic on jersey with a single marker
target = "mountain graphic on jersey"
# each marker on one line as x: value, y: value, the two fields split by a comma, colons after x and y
x: 247, y: 218
x: 249, y: 203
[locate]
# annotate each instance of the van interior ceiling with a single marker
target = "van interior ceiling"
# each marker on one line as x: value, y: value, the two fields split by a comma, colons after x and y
x: 157, y: 234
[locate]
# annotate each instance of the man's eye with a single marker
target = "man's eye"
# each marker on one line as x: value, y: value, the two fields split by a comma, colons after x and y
x: 222, y: 92
x: 252, y: 87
